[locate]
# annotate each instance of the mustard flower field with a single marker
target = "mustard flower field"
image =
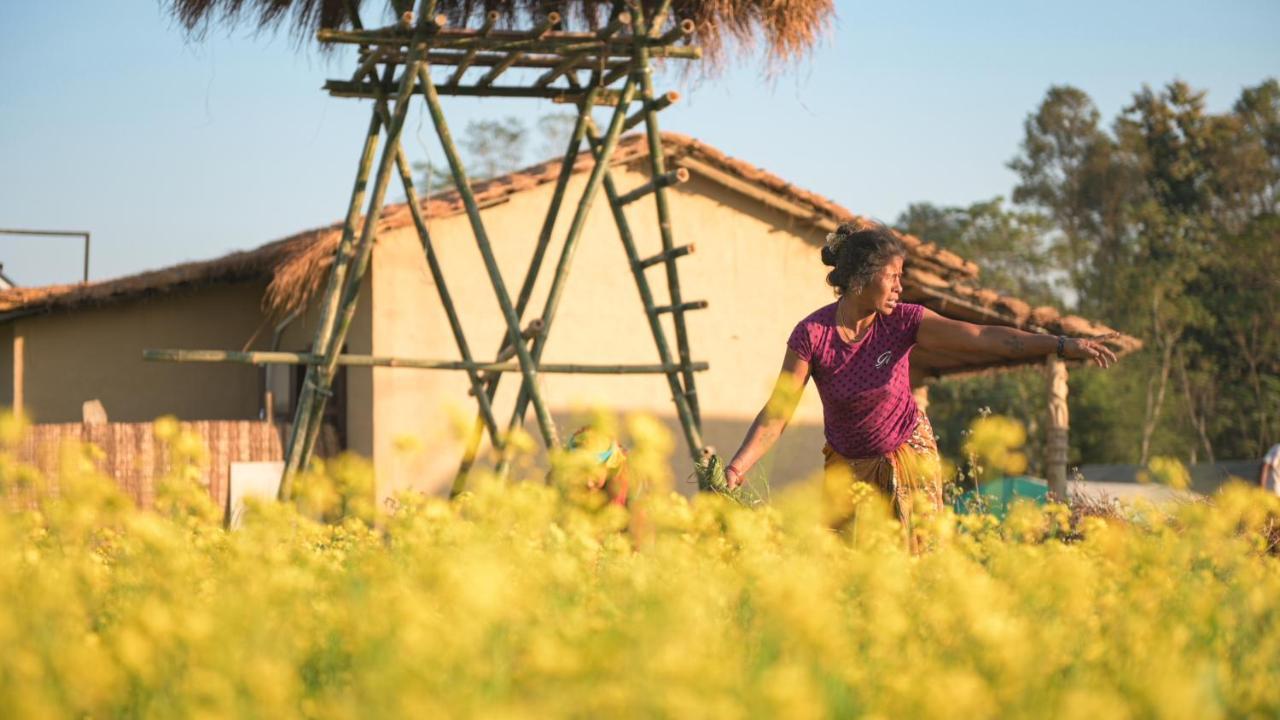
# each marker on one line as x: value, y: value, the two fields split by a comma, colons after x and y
x: 535, y: 600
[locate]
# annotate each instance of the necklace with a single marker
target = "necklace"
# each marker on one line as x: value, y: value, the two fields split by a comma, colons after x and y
x: 849, y: 332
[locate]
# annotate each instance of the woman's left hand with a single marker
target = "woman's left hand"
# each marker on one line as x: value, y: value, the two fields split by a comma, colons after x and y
x: 1089, y: 351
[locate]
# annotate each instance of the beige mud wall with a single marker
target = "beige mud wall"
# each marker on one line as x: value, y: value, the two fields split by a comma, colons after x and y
x: 96, y: 353
x: 758, y: 268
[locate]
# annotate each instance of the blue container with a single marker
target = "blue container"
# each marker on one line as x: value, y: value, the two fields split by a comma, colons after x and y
x: 997, y: 495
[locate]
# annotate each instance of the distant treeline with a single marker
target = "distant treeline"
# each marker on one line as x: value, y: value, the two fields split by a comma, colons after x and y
x: 1163, y: 225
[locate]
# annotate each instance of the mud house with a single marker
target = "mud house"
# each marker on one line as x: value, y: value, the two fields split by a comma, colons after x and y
x: 757, y: 239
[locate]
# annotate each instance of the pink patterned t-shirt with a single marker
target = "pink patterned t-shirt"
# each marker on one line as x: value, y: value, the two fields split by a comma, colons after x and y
x: 867, y: 407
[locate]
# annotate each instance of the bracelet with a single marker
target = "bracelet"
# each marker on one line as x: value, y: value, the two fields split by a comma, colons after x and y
x: 1062, y: 347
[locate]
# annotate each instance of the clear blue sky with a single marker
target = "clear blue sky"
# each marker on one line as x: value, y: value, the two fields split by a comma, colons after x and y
x: 170, y: 150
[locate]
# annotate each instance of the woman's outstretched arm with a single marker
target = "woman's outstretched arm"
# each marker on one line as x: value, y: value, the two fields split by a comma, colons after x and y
x: 772, y: 419
x: 956, y: 336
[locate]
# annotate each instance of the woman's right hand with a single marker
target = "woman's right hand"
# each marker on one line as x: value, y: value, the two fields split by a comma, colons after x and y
x: 732, y: 477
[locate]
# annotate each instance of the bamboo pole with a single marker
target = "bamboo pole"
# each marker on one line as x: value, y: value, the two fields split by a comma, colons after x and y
x: 663, y: 102
x: 507, y: 352
x: 265, y: 357
x: 368, y: 64
x: 544, y: 25
x: 552, y: 42
x: 615, y: 74
x: 447, y: 58
x: 527, y: 363
x: 682, y: 30
x: 559, y: 69
x: 531, y: 275
x: 658, y: 165
x: 434, y: 265
x: 619, y: 21
x: 570, y: 246
x: 692, y: 431
x: 487, y: 79
x: 674, y: 177
x: 329, y: 300
x: 320, y: 378
x: 446, y: 300
x: 437, y: 274
x: 490, y: 18
x: 345, y: 88
x: 659, y: 16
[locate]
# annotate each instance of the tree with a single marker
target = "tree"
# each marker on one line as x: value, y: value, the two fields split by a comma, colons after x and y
x: 1009, y: 246
x: 1155, y: 224
x: 489, y: 148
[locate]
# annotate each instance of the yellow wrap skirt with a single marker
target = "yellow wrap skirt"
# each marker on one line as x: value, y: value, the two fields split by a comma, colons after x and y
x: 909, y: 478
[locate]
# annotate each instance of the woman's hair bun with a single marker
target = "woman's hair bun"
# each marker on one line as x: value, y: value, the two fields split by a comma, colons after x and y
x: 828, y: 256
x: 856, y: 251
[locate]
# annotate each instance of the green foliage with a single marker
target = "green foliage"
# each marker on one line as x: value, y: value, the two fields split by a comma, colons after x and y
x: 1164, y: 226
x: 1009, y: 244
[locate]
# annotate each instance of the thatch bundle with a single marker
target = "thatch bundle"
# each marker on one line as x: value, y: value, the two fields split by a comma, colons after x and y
x: 787, y: 28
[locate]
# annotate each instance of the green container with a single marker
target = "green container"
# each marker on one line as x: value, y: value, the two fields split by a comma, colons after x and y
x: 997, y: 495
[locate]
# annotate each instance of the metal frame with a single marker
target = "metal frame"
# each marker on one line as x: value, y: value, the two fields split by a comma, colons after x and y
x: 617, y: 60
x: 57, y: 233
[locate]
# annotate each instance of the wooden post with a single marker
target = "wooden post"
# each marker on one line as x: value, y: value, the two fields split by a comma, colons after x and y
x: 1056, y: 431
x: 19, y: 371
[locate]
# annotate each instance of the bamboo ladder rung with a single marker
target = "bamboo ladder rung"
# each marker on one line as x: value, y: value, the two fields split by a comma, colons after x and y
x: 682, y: 307
x: 662, y: 257
x: 667, y: 179
x: 658, y: 104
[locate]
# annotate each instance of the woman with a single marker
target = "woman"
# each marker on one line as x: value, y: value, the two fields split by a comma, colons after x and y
x: 857, y: 351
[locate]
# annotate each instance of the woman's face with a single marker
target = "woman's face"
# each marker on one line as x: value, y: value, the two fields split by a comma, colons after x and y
x: 885, y: 287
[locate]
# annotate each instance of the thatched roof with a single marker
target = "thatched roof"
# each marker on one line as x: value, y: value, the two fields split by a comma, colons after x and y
x: 787, y: 28
x: 295, y: 268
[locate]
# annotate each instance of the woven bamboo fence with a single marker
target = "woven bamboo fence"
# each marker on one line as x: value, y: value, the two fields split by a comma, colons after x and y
x: 133, y: 456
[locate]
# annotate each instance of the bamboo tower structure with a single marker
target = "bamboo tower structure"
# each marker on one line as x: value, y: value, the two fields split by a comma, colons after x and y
x: 587, y: 54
